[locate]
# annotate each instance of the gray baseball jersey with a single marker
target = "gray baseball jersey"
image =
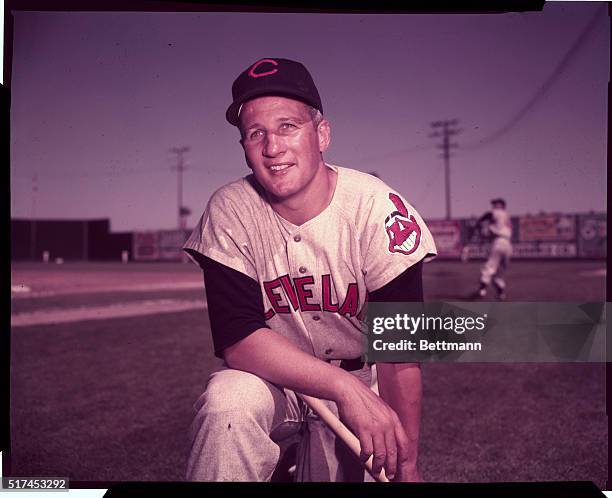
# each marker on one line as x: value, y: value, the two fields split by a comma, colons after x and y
x: 315, y: 277
x: 500, y: 225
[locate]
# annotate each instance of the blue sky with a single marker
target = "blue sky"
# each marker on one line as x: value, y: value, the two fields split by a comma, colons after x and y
x: 100, y: 98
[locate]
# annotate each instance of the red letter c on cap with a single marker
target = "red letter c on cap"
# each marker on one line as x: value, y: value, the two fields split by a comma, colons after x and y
x: 253, y: 74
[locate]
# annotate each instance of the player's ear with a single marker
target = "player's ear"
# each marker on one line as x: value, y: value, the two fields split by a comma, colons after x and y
x: 241, y: 142
x: 324, y: 134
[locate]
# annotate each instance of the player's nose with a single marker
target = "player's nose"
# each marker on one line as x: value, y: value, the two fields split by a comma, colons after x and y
x: 273, y: 145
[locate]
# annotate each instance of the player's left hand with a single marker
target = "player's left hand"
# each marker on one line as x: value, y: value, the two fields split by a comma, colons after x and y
x: 376, y: 425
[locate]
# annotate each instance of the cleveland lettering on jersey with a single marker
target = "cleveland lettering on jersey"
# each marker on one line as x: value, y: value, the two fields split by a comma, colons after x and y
x: 284, y: 291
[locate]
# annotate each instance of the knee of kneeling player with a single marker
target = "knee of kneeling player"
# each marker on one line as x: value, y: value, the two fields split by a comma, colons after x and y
x: 234, y: 391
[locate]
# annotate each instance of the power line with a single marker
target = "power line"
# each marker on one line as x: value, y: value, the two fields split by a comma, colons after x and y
x: 530, y: 104
x: 544, y: 88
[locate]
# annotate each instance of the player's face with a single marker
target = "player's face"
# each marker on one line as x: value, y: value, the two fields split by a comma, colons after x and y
x: 283, y: 147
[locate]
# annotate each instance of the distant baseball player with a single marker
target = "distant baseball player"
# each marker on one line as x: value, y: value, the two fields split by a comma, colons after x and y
x: 500, y: 231
x: 290, y: 254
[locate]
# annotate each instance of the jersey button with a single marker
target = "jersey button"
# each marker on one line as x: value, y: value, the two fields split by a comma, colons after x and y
x: 302, y: 269
x: 297, y: 238
x: 329, y: 351
x: 316, y: 318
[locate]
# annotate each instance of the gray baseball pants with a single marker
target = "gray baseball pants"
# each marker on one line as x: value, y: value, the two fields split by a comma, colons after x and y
x: 495, y: 266
x: 243, y: 423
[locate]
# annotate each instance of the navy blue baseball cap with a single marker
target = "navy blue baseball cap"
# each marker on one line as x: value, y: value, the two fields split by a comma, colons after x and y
x: 282, y: 77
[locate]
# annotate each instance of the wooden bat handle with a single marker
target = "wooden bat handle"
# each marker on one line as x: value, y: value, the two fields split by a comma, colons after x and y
x: 342, y: 432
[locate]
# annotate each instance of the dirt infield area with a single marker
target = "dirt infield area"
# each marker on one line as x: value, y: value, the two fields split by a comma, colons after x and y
x: 546, y: 280
x: 99, y: 395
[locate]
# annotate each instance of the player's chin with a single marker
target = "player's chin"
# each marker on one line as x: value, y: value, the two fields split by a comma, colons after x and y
x: 281, y: 192
x: 281, y: 186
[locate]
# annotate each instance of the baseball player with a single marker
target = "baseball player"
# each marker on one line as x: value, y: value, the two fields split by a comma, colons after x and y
x: 500, y: 229
x: 290, y: 255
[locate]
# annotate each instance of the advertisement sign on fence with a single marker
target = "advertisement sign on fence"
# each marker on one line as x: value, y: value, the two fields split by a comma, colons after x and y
x: 170, y: 244
x: 447, y: 236
x: 145, y: 246
x: 547, y: 227
x: 592, y: 239
x: 544, y: 250
x: 161, y: 245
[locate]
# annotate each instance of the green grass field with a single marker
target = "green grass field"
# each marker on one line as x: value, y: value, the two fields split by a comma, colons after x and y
x: 111, y: 400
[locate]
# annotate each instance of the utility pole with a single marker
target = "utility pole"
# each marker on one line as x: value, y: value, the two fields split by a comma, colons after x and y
x: 33, y: 220
x: 182, y: 211
x: 446, y: 132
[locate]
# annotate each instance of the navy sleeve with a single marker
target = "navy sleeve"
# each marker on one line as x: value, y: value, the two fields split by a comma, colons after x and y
x: 407, y: 286
x: 235, y: 303
x: 488, y: 216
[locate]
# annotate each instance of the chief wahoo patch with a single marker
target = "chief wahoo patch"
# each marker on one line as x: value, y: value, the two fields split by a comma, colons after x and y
x: 402, y: 229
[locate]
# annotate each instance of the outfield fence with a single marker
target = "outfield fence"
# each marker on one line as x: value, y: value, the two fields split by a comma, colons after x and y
x: 554, y: 236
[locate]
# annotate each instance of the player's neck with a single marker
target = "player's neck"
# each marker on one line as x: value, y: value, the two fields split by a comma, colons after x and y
x: 310, y: 202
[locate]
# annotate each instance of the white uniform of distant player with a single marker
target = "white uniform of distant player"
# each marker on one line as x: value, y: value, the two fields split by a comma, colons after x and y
x: 500, y: 228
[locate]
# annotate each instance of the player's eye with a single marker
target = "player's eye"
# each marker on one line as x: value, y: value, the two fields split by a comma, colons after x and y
x: 255, y: 135
x: 287, y: 127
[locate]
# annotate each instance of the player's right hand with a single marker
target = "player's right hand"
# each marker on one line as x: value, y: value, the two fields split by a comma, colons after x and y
x: 375, y: 424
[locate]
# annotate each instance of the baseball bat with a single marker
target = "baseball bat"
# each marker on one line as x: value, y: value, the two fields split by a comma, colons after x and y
x: 342, y: 432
